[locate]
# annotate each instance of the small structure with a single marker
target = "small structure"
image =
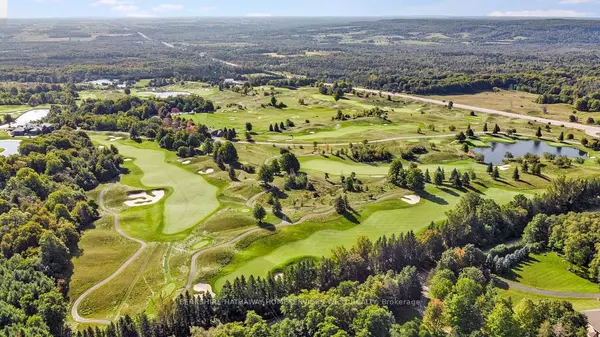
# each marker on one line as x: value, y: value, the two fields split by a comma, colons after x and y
x: 231, y: 81
x: 30, y: 129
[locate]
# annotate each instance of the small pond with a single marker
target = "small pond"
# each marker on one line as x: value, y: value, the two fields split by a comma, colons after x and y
x: 31, y: 116
x: 495, y: 153
x: 10, y: 147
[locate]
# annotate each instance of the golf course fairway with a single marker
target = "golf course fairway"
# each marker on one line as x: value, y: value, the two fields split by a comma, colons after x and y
x: 191, y: 198
x: 395, y: 216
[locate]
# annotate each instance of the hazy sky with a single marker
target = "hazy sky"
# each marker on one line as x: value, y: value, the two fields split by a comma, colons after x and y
x: 175, y: 8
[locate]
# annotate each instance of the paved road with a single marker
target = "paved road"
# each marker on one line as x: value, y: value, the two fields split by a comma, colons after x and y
x: 75, y: 307
x: 521, y: 287
x: 590, y: 130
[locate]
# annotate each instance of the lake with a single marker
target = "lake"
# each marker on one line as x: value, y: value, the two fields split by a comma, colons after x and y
x: 10, y: 147
x: 495, y: 153
x: 31, y: 116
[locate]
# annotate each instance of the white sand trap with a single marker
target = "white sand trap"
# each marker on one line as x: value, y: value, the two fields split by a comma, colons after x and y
x: 127, y: 159
x: 187, y: 162
x: 377, y: 176
x: 278, y: 276
x: 204, y: 288
x: 101, y: 147
x: 114, y: 139
x: 143, y: 198
x: 592, y: 157
x: 504, y: 167
x: 411, y: 199
x: 232, y: 118
x: 209, y: 171
x: 312, y: 132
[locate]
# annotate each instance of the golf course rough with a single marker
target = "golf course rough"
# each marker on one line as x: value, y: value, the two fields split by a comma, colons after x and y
x: 191, y: 198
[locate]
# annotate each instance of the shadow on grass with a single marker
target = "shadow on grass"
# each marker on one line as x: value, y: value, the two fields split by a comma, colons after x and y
x: 351, y: 217
x: 433, y: 198
x: 449, y: 191
x: 267, y: 226
x: 514, y: 274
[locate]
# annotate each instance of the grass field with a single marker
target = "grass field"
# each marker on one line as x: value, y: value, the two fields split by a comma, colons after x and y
x: 384, y: 218
x: 517, y: 102
x: 189, y: 200
x: 550, y: 272
x: 579, y: 304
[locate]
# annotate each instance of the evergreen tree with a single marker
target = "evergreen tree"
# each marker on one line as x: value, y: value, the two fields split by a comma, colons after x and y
x: 496, y: 129
x: 490, y: 168
x: 259, y: 213
x: 340, y: 205
x: 496, y: 172
x: 539, y: 132
x: 485, y: 127
x: 525, y: 166
x: 427, y: 176
x: 561, y: 137
x: 516, y: 176
x: 438, y: 178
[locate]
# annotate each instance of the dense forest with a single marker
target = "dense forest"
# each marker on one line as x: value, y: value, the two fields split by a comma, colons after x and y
x: 557, y: 59
x: 43, y: 210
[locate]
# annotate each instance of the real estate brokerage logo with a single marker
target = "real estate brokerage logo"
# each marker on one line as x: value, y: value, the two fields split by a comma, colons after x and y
x: 3, y: 10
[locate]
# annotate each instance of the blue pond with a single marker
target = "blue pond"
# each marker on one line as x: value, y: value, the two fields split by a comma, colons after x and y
x: 495, y: 153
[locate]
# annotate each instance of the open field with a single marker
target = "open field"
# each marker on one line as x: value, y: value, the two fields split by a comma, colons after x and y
x: 518, y: 102
x: 376, y: 220
x: 210, y: 211
x: 550, y: 272
x: 190, y: 199
x: 579, y: 304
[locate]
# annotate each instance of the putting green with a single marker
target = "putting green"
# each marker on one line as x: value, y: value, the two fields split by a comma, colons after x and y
x: 394, y: 217
x: 191, y: 198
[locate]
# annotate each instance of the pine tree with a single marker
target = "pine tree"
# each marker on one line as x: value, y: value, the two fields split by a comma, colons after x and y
x: 539, y: 132
x: 490, y: 168
x: 496, y: 129
x: 485, y: 127
x: 496, y: 173
x: 516, y: 176
x: 525, y: 166
x: 276, y: 127
x: 465, y: 179
x: 561, y: 137
x: 465, y: 148
x: 438, y: 178
x: 271, y: 127
x: 427, y: 176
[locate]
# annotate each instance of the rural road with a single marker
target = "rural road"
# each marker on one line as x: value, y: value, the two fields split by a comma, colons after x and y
x: 590, y: 130
x: 521, y: 287
x: 75, y: 307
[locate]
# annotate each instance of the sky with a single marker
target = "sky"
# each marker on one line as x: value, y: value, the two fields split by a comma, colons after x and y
x: 262, y: 8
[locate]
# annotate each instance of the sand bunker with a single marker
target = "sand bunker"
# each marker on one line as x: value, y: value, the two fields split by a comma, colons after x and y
x: 504, y: 167
x: 204, y: 288
x: 209, y: 171
x: 411, y: 199
x: 127, y: 159
x: 101, y: 147
x: 143, y: 198
x: 278, y: 276
x: 114, y: 139
x: 187, y: 162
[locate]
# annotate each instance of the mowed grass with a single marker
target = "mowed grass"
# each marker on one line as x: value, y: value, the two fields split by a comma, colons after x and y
x: 550, y: 272
x: 579, y: 304
x: 383, y: 218
x: 189, y: 200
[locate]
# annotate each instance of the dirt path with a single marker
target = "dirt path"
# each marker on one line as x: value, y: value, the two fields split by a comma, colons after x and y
x: 589, y: 129
x: 521, y: 287
x: 75, y: 307
x: 283, y: 223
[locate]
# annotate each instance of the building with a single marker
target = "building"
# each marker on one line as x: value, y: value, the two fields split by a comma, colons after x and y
x: 30, y: 129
